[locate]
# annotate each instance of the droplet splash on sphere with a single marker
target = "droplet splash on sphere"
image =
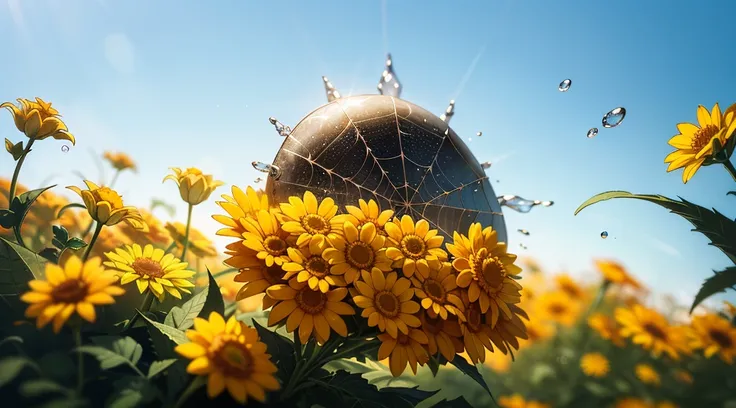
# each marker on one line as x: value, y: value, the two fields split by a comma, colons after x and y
x: 282, y: 129
x: 485, y: 165
x: 593, y: 132
x: 520, y: 204
x: 273, y: 171
x: 389, y: 84
x: 448, y: 112
x: 523, y: 231
x: 604, y: 234
x: 479, y: 134
x: 330, y: 90
x: 565, y: 85
x: 65, y: 148
x: 257, y: 180
x: 614, y: 117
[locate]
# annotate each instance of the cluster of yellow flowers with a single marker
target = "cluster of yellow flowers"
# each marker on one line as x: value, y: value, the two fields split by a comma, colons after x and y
x: 315, y: 267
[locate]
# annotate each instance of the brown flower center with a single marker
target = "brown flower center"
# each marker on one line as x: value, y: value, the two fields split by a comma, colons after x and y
x: 557, y: 309
x: 315, y: 224
x: 387, y: 303
x: 111, y: 196
x: 490, y: 273
x: 432, y: 325
x: 232, y: 357
x: 434, y: 290
x: 655, y: 331
x: 703, y: 136
x: 360, y: 255
x: 317, y: 266
x: 474, y: 318
x: 147, y: 267
x: 413, y: 247
x: 275, y: 245
x: 274, y: 275
x: 311, y: 301
x: 70, y: 291
x: 403, y: 339
x: 721, y: 338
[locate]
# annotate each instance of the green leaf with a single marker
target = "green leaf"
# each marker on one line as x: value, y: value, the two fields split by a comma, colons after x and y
x: 11, y: 339
x: 38, y: 387
x: 718, y: 228
x: 408, y: 397
x: 18, y: 265
x: 15, y: 150
x: 131, y: 392
x: 62, y: 241
x: 22, y: 203
x: 345, y: 389
x: 174, y: 334
x: 10, y: 367
x: 434, y: 365
x: 182, y: 317
x: 60, y: 234
x: 597, y: 389
x: 351, y: 366
x: 7, y: 218
x: 717, y: 283
x: 459, y: 402
x: 157, y: 367
x: 540, y: 372
x: 113, y: 351
x: 731, y: 193
x: 281, y: 350
x: 76, y: 243
x: 214, y: 302
x: 472, y: 371
x: 50, y: 254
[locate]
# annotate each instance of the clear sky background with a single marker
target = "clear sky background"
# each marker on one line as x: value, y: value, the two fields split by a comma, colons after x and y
x: 192, y: 83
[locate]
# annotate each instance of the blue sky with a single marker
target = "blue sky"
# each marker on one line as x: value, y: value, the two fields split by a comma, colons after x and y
x: 193, y: 83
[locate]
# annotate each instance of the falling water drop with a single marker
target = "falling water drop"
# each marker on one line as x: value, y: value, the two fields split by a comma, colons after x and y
x: 614, y: 117
x: 593, y: 132
x: 479, y: 134
x: 332, y: 93
x: 523, y: 231
x: 282, y: 129
x: 272, y: 170
x: 522, y: 246
x: 485, y: 165
x: 65, y: 148
x: 257, y: 180
x: 389, y: 84
x: 565, y: 85
x: 604, y: 234
x: 448, y: 112
x: 520, y: 204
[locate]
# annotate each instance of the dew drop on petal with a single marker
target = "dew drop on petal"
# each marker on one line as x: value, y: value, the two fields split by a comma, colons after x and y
x: 614, y: 117
x: 565, y: 85
x: 593, y: 132
x: 65, y: 148
x: 604, y: 234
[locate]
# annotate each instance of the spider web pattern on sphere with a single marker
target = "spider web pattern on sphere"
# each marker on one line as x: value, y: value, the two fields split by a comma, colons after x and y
x: 394, y: 152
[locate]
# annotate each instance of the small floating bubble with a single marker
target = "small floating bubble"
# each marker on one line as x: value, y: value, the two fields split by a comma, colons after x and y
x: 614, y: 117
x: 65, y: 148
x: 479, y: 134
x: 523, y: 231
x: 565, y: 85
x: 593, y: 132
x: 485, y: 165
x: 604, y: 234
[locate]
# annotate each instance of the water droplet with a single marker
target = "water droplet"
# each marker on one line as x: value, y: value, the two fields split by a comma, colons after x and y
x: 485, y: 165
x: 65, y: 148
x: 282, y: 129
x: 498, y: 181
x: 389, y: 84
x: 614, y: 117
x: 272, y: 170
x: 520, y: 204
x: 522, y: 246
x: 604, y: 234
x: 448, y: 112
x: 593, y: 132
x: 523, y: 231
x: 258, y: 180
x: 565, y: 85
x: 332, y: 93
x: 479, y: 134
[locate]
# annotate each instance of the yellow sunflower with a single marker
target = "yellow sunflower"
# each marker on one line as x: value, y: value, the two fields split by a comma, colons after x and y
x: 568, y: 285
x: 265, y: 235
x: 151, y: 269
x: 647, y: 374
x: 119, y: 161
x: 715, y: 335
x: 156, y: 233
x: 694, y: 143
x: 558, y: 307
x: 238, y: 206
x: 368, y: 212
x: 507, y: 332
x: 443, y: 335
x: 607, y: 328
x: 476, y: 333
x: 406, y: 348
x: 437, y: 292
x: 38, y: 120
x: 683, y: 376
x: 387, y: 302
x: 538, y: 330
x: 232, y: 356
x: 360, y: 250
x: 486, y: 270
x: 311, y: 311
x: 647, y: 328
x: 257, y: 280
x: 632, y: 402
x: 595, y: 365
x: 77, y: 287
x: 614, y: 272
x: 309, y: 265
x: 414, y: 246
x: 106, y: 206
x: 308, y: 218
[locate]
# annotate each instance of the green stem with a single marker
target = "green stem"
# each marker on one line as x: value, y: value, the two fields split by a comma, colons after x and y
x: 145, y: 307
x: 80, y: 359
x: 186, y: 233
x: 172, y: 246
x: 114, y: 179
x: 19, y: 237
x: 92, y: 241
x: 88, y: 230
x: 730, y: 168
x: 14, y: 181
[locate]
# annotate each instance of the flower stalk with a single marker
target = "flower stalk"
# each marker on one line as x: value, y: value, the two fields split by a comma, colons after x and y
x: 96, y: 234
x: 16, y: 172
x: 80, y: 358
x: 730, y: 169
x: 185, y: 244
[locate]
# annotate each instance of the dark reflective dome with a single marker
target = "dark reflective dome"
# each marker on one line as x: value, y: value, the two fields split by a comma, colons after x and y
x: 392, y: 151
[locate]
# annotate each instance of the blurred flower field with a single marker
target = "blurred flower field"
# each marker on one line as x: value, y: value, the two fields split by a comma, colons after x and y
x: 105, y: 304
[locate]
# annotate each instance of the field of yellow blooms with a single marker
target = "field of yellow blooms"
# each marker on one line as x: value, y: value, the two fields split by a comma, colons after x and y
x: 312, y: 305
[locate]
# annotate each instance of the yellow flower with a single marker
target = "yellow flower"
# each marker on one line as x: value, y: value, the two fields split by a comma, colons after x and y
x: 257, y: 280
x: 616, y: 273
x: 311, y: 311
x: 595, y: 365
x: 538, y: 330
x: 443, y: 335
x: 437, y: 292
x: 387, y: 302
x: 416, y: 246
x: 78, y: 287
x: 476, y: 332
x: 730, y: 309
x: 715, y: 335
x: 38, y: 120
x: 265, y: 235
x: 194, y: 187
x: 694, y: 143
x: 360, y: 250
x: 632, y: 402
x: 683, y: 376
x: 238, y: 207
x: 566, y: 284
x: 607, y: 328
x: 120, y: 161
x: 517, y: 401
x: 407, y: 348
x: 232, y: 356
x: 156, y: 233
x: 486, y: 270
x: 199, y: 245
x: 498, y: 362
x: 646, y: 374
x: 309, y: 218
x: 368, y: 212
x: 309, y: 265
x: 106, y: 206
x: 151, y: 269
x: 647, y: 328
x: 507, y: 332
x: 558, y: 307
